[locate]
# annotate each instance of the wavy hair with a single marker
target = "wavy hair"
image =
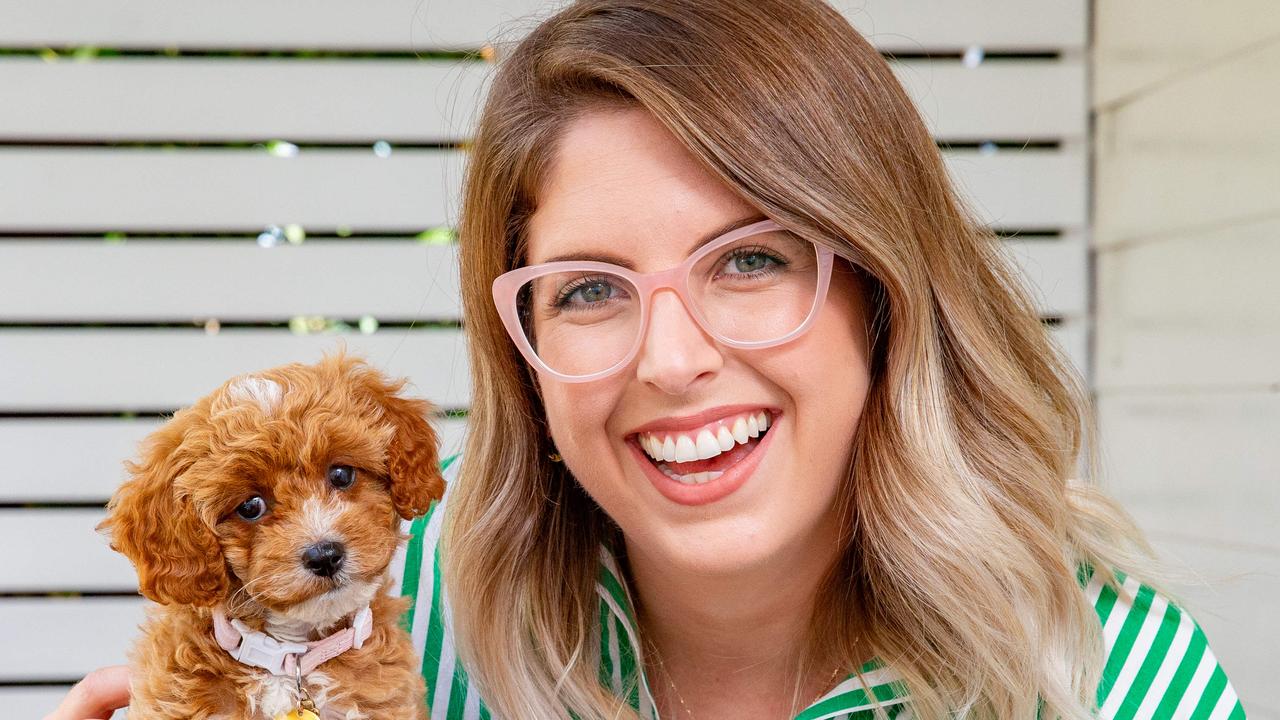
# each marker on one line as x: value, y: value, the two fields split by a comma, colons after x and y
x: 965, y: 520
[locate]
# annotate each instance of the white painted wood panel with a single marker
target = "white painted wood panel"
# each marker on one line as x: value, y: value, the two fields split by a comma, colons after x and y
x: 1024, y: 189
x: 999, y: 99
x: 896, y: 25
x: 250, y: 99
x: 66, y: 637
x: 60, y: 551
x: 1140, y: 44
x: 925, y: 25
x: 44, y: 280
x: 53, y: 460
x: 1198, y: 310
x: 1200, y: 465
x: 1201, y: 153
x: 158, y: 370
x: 98, y: 189
x: 193, y: 190
x: 1056, y: 268
x: 225, y: 99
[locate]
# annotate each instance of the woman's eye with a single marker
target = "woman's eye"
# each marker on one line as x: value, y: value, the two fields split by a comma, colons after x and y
x: 342, y: 476
x: 252, y: 509
x: 588, y: 293
x: 747, y: 262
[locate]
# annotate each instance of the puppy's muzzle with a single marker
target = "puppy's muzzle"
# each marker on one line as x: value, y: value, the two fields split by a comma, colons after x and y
x: 324, y: 558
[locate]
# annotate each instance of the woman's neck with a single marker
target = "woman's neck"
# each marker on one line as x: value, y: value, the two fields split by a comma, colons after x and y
x: 732, y: 641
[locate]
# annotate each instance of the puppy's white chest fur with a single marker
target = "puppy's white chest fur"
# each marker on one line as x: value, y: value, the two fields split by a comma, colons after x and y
x: 275, y: 695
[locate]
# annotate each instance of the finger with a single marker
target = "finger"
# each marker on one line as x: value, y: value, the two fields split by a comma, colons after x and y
x: 96, y: 697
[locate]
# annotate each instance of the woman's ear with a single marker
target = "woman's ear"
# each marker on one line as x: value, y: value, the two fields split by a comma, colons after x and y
x: 413, y: 458
x: 177, y: 556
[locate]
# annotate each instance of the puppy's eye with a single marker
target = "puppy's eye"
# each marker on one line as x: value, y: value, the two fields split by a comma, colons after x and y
x: 252, y: 509
x: 342, y: 476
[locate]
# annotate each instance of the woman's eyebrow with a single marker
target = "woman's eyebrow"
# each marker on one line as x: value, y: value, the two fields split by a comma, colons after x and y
x: 606, y: 257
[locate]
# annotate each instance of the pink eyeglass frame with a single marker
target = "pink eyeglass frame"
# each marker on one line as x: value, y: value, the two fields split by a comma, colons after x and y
x: 676, y: 278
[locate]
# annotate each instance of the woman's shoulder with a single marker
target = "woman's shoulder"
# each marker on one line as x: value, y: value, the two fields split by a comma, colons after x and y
x: 1158, y: 660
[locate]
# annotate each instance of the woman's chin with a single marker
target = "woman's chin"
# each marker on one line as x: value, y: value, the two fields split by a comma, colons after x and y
x: 716, y: 548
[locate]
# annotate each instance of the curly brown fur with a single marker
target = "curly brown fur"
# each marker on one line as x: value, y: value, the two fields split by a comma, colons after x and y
x: 276, y: 434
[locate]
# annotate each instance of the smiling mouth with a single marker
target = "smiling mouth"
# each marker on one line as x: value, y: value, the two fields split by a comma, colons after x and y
x: 699, y: 456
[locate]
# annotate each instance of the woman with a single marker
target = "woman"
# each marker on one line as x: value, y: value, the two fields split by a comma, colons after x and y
x: 763, y: 424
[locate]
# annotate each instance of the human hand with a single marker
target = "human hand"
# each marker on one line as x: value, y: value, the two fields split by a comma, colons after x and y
x: 96, y: 697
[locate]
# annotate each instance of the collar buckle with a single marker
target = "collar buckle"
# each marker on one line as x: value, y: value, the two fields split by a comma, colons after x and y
x: 261, y: 650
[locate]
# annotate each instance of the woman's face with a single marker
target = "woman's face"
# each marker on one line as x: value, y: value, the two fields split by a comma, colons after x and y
x: 621, y: 185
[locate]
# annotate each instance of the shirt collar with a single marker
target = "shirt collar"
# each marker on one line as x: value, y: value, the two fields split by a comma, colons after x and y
x: 622, y: 663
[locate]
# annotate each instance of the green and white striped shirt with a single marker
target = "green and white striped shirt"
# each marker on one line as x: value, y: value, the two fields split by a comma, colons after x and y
x: 1158, y: 665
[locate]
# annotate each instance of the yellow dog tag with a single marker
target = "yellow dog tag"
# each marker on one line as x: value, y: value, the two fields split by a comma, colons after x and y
x: 299, y: 714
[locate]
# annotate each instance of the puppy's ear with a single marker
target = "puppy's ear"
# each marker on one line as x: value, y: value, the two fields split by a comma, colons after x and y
x: 178, y: 558
x: 413, y: 459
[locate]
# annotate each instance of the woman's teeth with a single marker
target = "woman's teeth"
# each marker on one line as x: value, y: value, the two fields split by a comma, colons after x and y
x: 705, y: 443
x: 691, y: 478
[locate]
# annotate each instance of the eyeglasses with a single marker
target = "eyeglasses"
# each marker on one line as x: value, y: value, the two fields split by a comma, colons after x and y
x: 754, y: 287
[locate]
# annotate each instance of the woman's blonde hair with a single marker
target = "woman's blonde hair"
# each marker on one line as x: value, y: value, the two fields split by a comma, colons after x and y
x: 965, y: 527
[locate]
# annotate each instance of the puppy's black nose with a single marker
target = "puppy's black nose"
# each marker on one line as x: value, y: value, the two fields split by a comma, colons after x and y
x: 324, y: 558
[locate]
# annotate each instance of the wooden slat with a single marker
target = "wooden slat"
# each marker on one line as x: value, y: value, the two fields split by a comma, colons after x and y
x: 1057, y: 270
x: 229, y: 99
x: 1162, y: 169
x: 1195, y: 310
x: 65, y: 638
x: 221, y: 99
x: 1202, y: 465
x: 58, y: 460
x: 999, y: 99
x: 1132, y: 56
x: 114, y: 369
x: 1024, y: 189
x: 191, y: 190
x: 100, y: 189
x: 894, y: 25
x: 934, y: 25
x: 60, y: 552
x: 178, y: 281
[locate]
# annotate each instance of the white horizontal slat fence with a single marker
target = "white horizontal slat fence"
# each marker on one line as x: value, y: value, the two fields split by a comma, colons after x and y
x: 135, y: 181
x: 45, y: 279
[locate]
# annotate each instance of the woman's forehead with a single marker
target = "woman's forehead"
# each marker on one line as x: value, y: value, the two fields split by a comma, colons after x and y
x: 620, y: 183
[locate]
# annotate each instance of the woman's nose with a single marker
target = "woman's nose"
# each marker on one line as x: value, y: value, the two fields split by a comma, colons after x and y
x: 675, y: 353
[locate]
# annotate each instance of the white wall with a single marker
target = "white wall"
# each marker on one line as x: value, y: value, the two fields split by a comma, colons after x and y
x: 1187, y: 250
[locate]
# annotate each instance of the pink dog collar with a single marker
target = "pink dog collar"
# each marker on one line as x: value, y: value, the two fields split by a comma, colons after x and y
x: 281, y: 657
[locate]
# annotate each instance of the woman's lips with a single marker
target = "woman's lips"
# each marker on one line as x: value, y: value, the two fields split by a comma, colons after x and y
x: 735, y: 467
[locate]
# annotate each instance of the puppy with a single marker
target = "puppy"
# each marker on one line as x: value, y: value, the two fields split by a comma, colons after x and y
x: 263, y: 520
